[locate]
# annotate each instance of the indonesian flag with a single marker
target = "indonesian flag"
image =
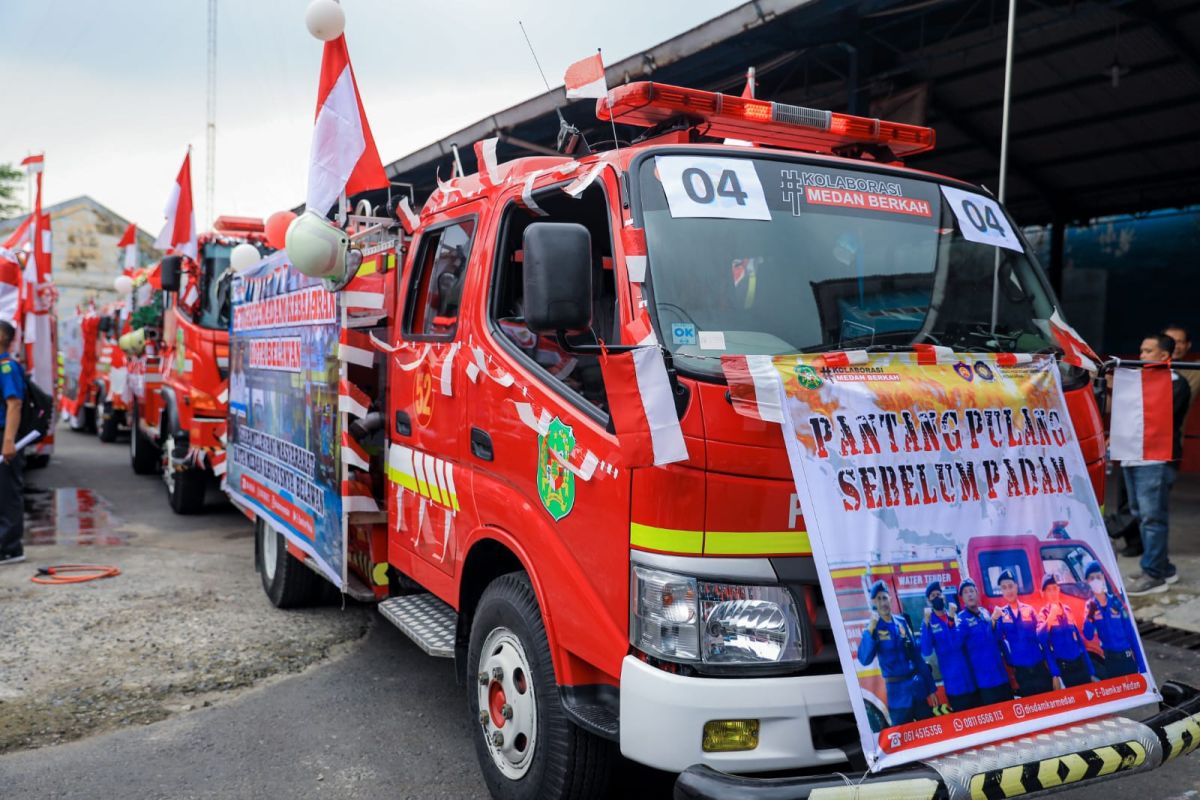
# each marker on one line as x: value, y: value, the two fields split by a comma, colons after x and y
x: 1075, y: 350
x: 643, y: 407
x: 128, y: 245
x: 754, y: 387
x: 1142, y: 414
x: 34, y: 164
x: 19, y: 239
x: 586, y: 78
x: 10, y: 285
x: 343, y: 155
x: 751, y: 85
x: 179, y: 233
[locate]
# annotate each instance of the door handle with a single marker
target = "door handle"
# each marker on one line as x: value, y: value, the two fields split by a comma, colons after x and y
x: 481, y: 445
x: 403, y: 424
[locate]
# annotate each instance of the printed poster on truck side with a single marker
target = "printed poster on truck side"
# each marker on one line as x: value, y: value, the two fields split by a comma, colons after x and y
x: 283, y: 404
x: 967, y: 571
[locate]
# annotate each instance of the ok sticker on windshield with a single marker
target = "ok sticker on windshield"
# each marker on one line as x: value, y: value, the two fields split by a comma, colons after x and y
x: 981, y: 220
x: 721, y: 188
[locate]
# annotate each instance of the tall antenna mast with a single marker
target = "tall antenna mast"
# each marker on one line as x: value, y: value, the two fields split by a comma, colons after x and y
x: 210, y: 166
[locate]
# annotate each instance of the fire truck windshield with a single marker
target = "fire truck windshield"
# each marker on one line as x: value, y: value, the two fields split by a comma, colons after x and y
x: 214, y: 304
x: 772, y: 256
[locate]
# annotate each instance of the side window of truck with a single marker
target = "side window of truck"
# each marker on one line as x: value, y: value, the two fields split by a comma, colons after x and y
x: 436, y: 285
x: 577, y: 376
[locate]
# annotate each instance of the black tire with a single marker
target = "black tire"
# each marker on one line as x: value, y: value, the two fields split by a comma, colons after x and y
x: 143, y: 454
x: 186, y: 485
x: 108, y: 424
x: 567, y: 762
x: 37, y: 461
x: 290, y: 584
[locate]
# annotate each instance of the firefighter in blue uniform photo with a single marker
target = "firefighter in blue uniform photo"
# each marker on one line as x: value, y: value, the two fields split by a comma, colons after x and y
x: 1066, y: 654
x: 981, y: 644
x: 1107, y: 617
x: 911, y: 692
x: 940, y: 634
x: 1017, y: 626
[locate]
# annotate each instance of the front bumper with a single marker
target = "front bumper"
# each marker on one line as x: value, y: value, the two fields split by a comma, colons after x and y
x: 1088, y: 752
x: 663, y: 716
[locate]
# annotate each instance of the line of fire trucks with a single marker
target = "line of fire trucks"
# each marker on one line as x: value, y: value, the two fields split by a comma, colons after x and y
x: 156, y: 365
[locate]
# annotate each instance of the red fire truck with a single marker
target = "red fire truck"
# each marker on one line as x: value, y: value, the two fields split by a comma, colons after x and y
x: 672, y: 613
x: 78, y: 337
x: 180, y: 433
x: 112, y: 375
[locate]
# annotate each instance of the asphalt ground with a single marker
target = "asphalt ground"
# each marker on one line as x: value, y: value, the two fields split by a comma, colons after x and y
x: 378, y: 718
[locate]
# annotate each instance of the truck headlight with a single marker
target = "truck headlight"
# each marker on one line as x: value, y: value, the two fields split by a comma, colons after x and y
x: 680, y: 618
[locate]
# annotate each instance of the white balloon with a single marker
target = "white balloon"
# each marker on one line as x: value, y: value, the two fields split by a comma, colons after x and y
x: 325, y: 19
x: 243, y: 257
x: 123, y: 284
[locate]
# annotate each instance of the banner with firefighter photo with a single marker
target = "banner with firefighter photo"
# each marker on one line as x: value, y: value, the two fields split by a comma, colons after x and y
x: 969, y: 578
x: 283, y: 405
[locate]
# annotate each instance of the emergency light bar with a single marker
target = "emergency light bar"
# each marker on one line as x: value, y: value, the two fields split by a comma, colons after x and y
x: 647, y: 104
x: 230, y: 224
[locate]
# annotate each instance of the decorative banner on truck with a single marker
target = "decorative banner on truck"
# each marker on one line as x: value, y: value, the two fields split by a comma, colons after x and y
x: 972, y: 589
x: 283, y: 405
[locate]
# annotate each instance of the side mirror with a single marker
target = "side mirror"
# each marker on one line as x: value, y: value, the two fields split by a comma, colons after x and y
x: 558, y: 277
x: 169, y: 272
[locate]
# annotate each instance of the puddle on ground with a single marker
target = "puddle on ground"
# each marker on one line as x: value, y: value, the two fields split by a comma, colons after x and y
x: 69, y: 516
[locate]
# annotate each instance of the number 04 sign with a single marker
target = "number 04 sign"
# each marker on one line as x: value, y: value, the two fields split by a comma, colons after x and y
x: 724, y: 188
x: 981, y: 219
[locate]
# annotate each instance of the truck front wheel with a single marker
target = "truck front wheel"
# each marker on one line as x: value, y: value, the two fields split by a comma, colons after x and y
x: 287, y: 582
x: 108, y: 423
x: 186, y: 483
x: 527, y: 747
x: 143, y: 455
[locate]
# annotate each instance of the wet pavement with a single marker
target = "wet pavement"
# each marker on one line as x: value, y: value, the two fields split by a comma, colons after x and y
x: 70, y: 515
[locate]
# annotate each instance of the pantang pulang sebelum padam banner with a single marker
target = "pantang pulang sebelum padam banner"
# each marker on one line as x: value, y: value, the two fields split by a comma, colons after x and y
x: 967, y: 573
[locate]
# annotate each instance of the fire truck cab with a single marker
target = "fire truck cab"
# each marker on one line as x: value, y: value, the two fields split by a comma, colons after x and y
x: 672, y: 613
x: 188, y: 430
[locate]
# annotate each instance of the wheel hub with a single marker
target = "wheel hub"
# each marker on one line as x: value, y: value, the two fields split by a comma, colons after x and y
x: 510, y: 703
x: 270, y: 544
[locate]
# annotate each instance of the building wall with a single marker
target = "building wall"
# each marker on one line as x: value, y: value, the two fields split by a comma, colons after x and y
x: 85, y: 254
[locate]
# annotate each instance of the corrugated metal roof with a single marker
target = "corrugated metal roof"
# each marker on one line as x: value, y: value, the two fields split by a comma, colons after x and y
x: 1079, y: 146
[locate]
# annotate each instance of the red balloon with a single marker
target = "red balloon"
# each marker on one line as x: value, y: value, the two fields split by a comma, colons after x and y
x: 277, y: 225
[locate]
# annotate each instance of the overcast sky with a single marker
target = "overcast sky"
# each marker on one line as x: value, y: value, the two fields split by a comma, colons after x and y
x: 113, y: 91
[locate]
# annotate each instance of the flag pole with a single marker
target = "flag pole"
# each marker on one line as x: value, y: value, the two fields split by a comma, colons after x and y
x: 1004, y: 119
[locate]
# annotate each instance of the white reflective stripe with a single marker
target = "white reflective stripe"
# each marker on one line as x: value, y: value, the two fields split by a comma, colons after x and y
x: 419, y: 473
x: 636, y: 267
x: 355, y: 355
x: 447, y: 377
x: 351, y: 458
x: 435, y: 489
x: 359, y: 504
x: 450, y: 486
x: 363, y: 299
x: 348, y: 405
x: 658, y: 403
x: 766, y: 388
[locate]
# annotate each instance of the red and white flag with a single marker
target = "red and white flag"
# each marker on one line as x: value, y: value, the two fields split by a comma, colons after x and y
x: 643, y: 407
x: 33, y: 164
x: 10, y: 285
x: 179, y: 234
x: 755, y: 390
x: 1142, y: 414
x: 586, y: 78
x: 129, y: 248
x: 343, y: 155
x: 751, y: 85
x: 1075, y: 350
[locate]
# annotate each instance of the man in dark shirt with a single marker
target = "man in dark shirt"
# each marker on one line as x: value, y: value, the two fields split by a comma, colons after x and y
x: 1149, y: 483
x: 12, y: 509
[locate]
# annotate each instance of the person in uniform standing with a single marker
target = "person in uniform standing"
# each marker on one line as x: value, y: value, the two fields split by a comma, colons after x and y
x: 12, y: 507
x: 981, y: 645
x: 940, y: 634
x: 1107, y: 618
x: 1017, y: 626
x: 911, y: 692
x: 1066, y: 654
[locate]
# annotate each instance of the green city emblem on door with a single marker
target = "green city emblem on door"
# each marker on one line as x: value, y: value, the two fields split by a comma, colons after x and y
x: 555, y: 483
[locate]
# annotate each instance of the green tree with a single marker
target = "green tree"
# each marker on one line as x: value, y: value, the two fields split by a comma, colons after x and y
x: 10, y: 190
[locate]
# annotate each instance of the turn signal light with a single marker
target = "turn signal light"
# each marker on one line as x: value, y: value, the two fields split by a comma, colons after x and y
x: 647, y: 104
x: 729, y: 735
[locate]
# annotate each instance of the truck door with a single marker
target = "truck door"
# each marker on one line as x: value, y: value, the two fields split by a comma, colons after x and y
x: 427, y: 490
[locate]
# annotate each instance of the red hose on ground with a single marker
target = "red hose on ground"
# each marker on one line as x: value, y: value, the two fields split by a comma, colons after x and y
x: 88, y: 572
